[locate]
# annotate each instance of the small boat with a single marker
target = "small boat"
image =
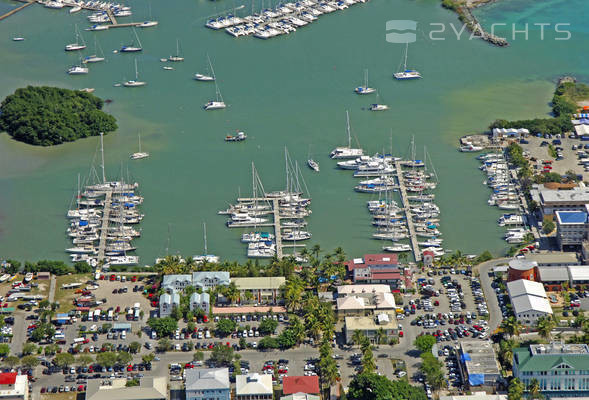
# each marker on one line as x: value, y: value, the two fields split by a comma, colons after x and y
x: 313, y: 165
x: 346, y: 152
x: 77, y: 70
x: 168, y: 68
x: 365, y: 89
x: 206, y: 78
x: 135, y: 82
x: 28, y: 277
x: 217, y: 104
x: 140, y: 154
x: 95, y: 58
x: 147, y: 24
x: 177, y: 57
x: 406, y: 74
x: 98, y: 28
x: 238, y: 137
x: 75, y: 9
x: 132, y: 48
x: 397, y: 248
x: 163, y: 59
x: 18, y: 39
x: 378, y: 107
x: 87, y: 90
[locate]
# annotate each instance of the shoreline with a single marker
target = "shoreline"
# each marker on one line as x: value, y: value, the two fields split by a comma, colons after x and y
x: 465, y: 15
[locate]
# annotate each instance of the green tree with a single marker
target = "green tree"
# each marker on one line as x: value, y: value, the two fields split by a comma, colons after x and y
x: 198, y: 356
x: 29, y: 361
x: 107, y: 359
x: 4, y: 350
x: 225, y: 327
x: 134, y: 347
x: 29, y: 348
x: 84, y: 360
x: 147, y: 358
x: 548, y: 226
x: 124, y: 358
x: 534, y: 389
x: 164, y: 344
x: 358, y: 338
x: 431, y: 367
x: 368, y: 362
x: 132, y: 382
x: 512, y: 326
x: 371, y: 386
x: 64, y: 360
x: 424, y: 343
x: 269, y: 342
x: 268, y: 326
x: 545, y: 325
x: 222, y: 355
x: 506, y: 351
x: 11, y: 361
x: 516, y: 389
x: 163, y: 326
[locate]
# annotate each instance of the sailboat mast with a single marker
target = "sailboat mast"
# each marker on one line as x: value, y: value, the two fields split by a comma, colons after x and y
x: 286, y: 167
x: 348, y: 129
x: 136, y: 73
x: 139, y: 142
x: 406, y: 50
x: 102, y: 156
x: 204, y: 225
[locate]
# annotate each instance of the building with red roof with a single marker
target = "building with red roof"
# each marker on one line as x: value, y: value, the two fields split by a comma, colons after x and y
x: 300, y: 384
x: 376, y: 269
x: 13, y: 386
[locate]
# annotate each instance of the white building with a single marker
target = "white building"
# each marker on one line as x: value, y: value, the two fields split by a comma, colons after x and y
x: 202, y: 301
x: 210, y: 279
x: 13, y: 386
x: 529, y: 300
x: 168, y: 302
x: 253, y: 387
x: 176, y: 283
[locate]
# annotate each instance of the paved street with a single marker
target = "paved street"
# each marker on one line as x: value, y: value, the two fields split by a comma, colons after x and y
x: 495, y: 315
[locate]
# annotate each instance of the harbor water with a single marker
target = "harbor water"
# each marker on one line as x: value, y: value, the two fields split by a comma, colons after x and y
x: 288, y: 91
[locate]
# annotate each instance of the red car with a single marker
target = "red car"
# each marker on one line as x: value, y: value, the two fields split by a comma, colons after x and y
x: 134, y: 278
x: 205, y: 319
x: 400, y: 333
x: 112, y: 277
x: 188, y: 365
x: 283, y: 371
x: 129, y: 368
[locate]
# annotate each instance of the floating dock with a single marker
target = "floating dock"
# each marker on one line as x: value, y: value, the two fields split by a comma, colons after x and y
x: 11, y: 12
x: 104, y: 226
x: 407, y: 208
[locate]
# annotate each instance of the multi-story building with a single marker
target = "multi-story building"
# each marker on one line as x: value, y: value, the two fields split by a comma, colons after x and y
x: 210, y: 279
x: 572, y: 227
x: 261, y: 290
x: 371, y: 326
x: 13, y: 386
x: 208, y: 384
x: 376, y: 269
x: 200, y: 300
x: 551, y: 200
x: 176, y: 283
x: 253, y: 387
x: 168, y: 302
x: 365, y: 304
x: 562, y: 370
x: 479, y: 362
x: 149, y: 388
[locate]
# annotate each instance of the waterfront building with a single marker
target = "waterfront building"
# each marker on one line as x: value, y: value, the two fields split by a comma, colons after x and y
x: 479, y: 362
x: 553, y: 258
x: 149, y: 388
x: 376, y: 269
x: 176, y: 283
x: 572, y: 227
x: 346, y: 290
x: 529, y: 301
x: 499, y: 134
x: 362, y: 304
x: 562, y: 370
x: 253, y: 387
x: 475, y: 396
x: 210, y: 279
x: 207, y: 384
x: 552, y: 200
x: 522, y: 269
x: 13, y: 386
x: 553, y: 278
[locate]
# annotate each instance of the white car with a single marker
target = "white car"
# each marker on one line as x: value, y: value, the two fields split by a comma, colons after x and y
x: 401, y: 374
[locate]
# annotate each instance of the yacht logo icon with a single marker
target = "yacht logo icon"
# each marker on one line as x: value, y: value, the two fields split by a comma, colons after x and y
x: 401, y: 25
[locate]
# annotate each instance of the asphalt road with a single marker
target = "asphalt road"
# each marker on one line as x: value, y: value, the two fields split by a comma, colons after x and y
x: 495, y: 315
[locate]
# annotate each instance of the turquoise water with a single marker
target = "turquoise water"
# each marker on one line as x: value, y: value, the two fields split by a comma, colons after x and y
x: 291, y: 91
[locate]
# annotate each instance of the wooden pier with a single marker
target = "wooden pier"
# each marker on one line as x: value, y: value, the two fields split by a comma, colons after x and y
x: 11, y: 12
x: 104, y: 228
x: 277, y: 228
x: 407, y: 208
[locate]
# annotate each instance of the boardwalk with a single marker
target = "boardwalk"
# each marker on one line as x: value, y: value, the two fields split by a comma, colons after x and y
x: 11, y: 12
x: 104, y: 229
x: 407, y: 208
x: 277, y: 230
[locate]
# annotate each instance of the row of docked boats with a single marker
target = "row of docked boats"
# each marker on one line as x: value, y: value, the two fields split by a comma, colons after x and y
x: 284, y: 210
x: 283, y: 19
x: 504, y: 195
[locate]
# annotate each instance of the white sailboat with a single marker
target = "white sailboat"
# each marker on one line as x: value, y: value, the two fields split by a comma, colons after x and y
x: 365, y: 89
x: 346, y: 152
x: 206, y: 78
x: 217, y: 104
x: 18, y: 39
x: 205, y: 257
x: 136, y: 82
x: 314, y: 165
x: 177, y: 57
x: 132, y: 48
x: 406, y: 74
x: 77, y: 69
x: 76, y: 45
x: 140, y: 154
x: 377, y: 106
x: 95, y: 57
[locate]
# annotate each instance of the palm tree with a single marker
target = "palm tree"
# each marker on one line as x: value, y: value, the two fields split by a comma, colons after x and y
x: 293, y: 293
x: 358, y: 337
x: 403, y: 258
x: 231, y: 292
x: 368, y: 363
x: 381, y: 336
x: 512, y: 326
x: 315, y: 250
x: 545, y: 325
x: 534, y: 389
x: 340, y: 254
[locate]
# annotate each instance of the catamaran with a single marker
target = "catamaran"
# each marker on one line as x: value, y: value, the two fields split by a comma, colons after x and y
x: 135, y: 82
x: 76, y: 45
x: 132, y: 48
x: 94, y: 58
x: 77, y: 70
x: 406, y: 73
x: 140, y: 154
x: 206, y: 78
x: 365, y: 89
x: 177, y: 57
x: 205, y: 257
x: 346, y: 152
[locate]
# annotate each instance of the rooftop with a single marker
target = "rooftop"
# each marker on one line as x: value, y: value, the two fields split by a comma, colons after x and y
x: 525, y: 287
x: 300, y: 384
x: 552, y: 357
x: 372, y: 260
x: 579, y: 272
x: 476, y: 396
x: 571, y: 217
x: 207, y: 378
x: 252, y: 384
x: 554, y: 274
x: 366, y: 301
x: 8, y: 378
x: 351, y: 289
x: 554, y: 257
x: 528, y: 302
x: 575, y: 195
x: 479, y: 357
x: 149, y: 389
x: 268, y: 283
x: 13, y: 385
x: 369, y: 323
x: 522, y: 265
x: 300, y: 396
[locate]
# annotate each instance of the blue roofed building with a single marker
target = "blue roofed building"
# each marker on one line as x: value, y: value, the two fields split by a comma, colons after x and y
x: 571, y: 227
x: 479, y: 364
